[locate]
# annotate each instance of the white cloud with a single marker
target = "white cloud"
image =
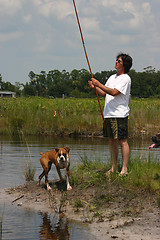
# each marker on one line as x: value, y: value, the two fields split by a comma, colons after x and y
x: 91, y: 24
x: 45, y: 34
x: 10, y: 6
x: 27, y: 18
x: 10, y: 36
x: 146, y: 8
x: 60, y: 9
x: 42, y: 43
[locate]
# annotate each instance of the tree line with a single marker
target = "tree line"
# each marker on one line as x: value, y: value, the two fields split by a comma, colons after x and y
x: 75, y: 84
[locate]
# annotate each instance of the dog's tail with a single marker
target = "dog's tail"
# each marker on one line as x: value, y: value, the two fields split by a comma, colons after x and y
x: 41, y: 153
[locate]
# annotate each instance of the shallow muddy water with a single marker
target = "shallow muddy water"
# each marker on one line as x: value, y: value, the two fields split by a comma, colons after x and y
x: 19, y: 223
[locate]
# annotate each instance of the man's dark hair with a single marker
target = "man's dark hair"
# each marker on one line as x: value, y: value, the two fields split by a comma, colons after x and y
x: 127, y: 61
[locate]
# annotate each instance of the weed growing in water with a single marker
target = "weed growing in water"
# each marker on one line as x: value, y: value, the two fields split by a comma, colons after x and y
x: 29, y: 171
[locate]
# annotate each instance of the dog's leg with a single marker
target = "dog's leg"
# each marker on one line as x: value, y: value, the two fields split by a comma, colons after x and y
x: 40, y: 177
x: 46, y: 175
x: 67, y: 180
x: 47, y: 184
x: 59, y: 173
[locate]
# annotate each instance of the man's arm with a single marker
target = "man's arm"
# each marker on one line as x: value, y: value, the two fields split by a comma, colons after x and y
x: 99, y: 90
x: 103, y: 89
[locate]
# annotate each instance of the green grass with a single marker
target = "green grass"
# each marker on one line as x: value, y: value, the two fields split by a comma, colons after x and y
x: 144, y: 116
x: 143, y: 173
x: 36, y: 115
x: 89, y: 177
x: 88, y: 173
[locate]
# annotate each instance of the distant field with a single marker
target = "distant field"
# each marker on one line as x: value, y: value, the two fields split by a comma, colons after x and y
x: 36, y: 115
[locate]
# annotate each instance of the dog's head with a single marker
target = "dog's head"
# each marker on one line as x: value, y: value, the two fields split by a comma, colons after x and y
x: 63, y: 157
x: 156, y: 141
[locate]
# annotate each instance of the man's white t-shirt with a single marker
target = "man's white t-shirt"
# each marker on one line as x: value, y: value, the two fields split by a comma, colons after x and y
x: 117, y: 106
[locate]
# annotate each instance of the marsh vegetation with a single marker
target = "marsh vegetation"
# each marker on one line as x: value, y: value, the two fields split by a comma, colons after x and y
x: 74, y: 117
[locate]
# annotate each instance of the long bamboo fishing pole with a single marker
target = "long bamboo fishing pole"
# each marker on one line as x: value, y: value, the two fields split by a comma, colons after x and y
x: 87, y: 58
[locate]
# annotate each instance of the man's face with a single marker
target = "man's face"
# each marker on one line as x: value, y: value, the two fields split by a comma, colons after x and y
x: 119, y: 63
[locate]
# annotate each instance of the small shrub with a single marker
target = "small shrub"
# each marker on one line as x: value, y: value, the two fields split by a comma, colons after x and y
x: 29, y: 172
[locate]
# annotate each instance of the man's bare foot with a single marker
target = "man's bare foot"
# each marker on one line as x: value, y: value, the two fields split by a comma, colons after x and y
x: 110, y: 171
x: 123, y: 173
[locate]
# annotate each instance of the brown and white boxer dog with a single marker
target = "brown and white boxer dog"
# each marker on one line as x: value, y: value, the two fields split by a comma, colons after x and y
x: 60, y: 157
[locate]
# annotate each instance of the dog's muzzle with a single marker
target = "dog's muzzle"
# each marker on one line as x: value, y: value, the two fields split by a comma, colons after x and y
x: 62, y: 161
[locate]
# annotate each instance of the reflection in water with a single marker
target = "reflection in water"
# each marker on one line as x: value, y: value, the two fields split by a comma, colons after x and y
x: 55, y: 228
x: 24, y: 224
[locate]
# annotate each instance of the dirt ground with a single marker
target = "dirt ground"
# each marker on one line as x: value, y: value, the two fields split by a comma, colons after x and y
x: 106, y: 223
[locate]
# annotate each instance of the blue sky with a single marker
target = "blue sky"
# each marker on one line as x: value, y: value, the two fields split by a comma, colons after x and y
x: 38, y: 35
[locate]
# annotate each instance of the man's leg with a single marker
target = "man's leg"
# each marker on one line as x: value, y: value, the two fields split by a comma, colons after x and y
x: 114, y: 154
x: 125, y: 156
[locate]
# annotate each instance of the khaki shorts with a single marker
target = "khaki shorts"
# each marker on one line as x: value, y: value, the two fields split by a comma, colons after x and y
x: 116, y: 128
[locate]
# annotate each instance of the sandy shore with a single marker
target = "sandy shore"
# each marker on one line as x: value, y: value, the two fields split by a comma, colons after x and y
x: 145, y: 226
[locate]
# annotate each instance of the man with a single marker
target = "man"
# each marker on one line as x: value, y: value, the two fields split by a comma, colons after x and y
x: 116, y: 92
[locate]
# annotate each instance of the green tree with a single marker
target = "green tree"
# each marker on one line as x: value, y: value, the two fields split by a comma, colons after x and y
x: 29, y: 90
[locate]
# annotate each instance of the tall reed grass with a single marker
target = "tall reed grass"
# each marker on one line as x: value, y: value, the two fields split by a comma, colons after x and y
x: 36, y: 115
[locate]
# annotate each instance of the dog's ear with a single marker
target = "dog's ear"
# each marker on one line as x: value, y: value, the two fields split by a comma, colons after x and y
x: 67, y: 149
x: 57, y: 149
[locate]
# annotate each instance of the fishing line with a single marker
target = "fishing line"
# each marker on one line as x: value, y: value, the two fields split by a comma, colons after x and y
x: 87, y: 58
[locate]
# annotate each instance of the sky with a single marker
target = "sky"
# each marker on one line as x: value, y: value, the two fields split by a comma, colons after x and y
x: 43, y: 35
